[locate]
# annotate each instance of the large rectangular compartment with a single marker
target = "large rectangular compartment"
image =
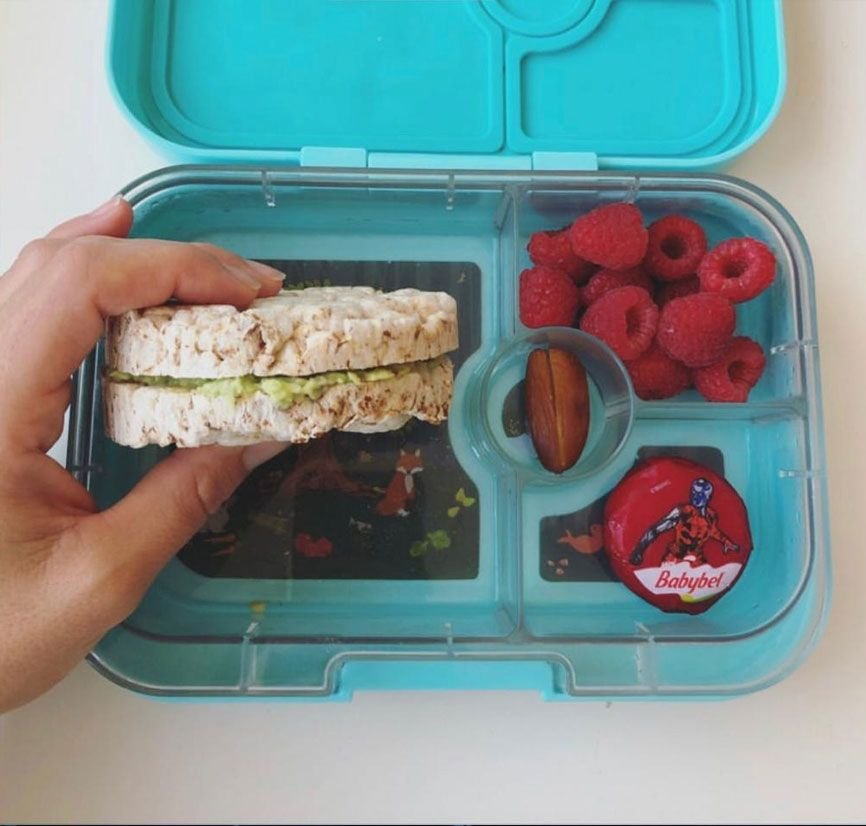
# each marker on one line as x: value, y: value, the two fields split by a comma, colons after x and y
x: 484, y: 610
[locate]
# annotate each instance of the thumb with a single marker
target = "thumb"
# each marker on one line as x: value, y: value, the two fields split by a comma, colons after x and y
x: 113, y: 218
x: 147, y: 527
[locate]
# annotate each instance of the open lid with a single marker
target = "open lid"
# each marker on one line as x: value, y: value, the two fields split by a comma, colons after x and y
x: 508, y: 84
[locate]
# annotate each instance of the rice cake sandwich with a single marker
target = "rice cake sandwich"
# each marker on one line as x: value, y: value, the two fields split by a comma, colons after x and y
x: 289, y: 368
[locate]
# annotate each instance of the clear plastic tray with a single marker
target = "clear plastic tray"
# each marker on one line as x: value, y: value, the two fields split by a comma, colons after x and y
x: 488, y: 608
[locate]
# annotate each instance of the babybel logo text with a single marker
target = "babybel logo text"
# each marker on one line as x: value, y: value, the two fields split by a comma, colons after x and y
x: 681, y: 578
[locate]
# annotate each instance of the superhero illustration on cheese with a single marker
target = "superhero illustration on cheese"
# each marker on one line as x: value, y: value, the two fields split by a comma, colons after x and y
x: 693, y: 524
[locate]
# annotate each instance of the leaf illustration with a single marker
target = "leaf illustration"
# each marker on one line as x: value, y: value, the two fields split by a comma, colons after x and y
x: 463, y: 499
x: 418, y: 548
x: 439, y: 540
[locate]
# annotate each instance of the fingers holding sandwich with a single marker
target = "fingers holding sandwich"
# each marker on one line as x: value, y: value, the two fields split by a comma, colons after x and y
x: 62, y: 288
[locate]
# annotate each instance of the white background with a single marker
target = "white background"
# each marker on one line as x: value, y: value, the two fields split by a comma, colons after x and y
x: 89, y: 751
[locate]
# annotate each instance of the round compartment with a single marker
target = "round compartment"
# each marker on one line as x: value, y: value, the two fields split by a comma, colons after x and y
x: 610, y: 394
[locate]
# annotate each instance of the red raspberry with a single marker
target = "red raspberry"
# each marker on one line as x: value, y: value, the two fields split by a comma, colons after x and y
x: 675, y: 248
x: 625, y: 319
x: 583, y: 271
x: 606, y: 280
x: 553, y: 249
x: 696, y: 329
x: 548, y: 298
x: 738, y: 269
x: 655, y: 375
x: 612, y: 236
x: 677, y: 289
x: 732, y: 377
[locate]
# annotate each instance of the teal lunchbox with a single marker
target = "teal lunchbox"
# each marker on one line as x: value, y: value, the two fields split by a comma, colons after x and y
x: 421, y: 143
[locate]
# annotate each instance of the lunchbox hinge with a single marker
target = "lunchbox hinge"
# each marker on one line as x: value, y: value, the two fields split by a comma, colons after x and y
x: 448, y: 161
x: 565, y: 161
x: 340, y: 156
x: 354, y: 157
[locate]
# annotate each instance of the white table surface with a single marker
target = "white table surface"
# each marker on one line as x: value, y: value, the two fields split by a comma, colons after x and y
x: 91, y: 752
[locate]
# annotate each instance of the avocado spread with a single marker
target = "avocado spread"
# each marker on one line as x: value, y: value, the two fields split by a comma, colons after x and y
x: 284, y: 390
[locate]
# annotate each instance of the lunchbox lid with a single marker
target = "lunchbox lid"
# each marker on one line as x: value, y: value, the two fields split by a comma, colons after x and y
x: 483, y: 84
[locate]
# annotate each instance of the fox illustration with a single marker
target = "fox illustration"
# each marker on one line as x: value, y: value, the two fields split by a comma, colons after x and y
x: 400, y: 492
x: 584, y: 543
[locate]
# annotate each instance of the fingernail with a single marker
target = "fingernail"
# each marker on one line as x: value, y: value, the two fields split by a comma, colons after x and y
x: 256, y: 455
x: 109, y: 206
x: 266, y: 272
x: 246, y: 278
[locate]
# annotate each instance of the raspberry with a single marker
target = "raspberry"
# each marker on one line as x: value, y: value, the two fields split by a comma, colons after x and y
x: 553, y: 249
x: 625, y: 319
x: 655, y: 375
x: 548, y: 298
x: 606, y: 280
x: 612, y: 236
x: 583, y: 271
x: 696, y: 329
x: 738, y: 269
x: 675, y: 248
x: 677, y: 289
x: 732, y: 377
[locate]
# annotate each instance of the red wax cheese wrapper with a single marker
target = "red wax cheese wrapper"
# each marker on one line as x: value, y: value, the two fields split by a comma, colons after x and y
x: 677, y: 534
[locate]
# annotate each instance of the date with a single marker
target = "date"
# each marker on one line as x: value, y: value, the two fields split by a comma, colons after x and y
x: 557, y: 407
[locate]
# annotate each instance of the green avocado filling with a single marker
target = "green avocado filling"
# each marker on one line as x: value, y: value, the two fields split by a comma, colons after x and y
x: 284, y: 390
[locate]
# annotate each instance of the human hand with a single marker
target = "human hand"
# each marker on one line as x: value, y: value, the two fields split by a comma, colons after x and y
x: 69, y: 573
